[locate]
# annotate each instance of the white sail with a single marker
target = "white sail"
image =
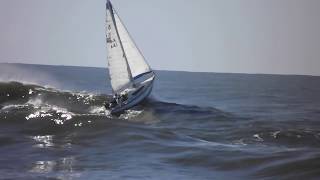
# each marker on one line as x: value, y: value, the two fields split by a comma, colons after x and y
x: 136, y: 61
x: 119, y: 70
x: 126, y: 66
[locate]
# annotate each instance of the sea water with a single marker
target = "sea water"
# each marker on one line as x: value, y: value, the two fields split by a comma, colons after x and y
x: 194, y: 126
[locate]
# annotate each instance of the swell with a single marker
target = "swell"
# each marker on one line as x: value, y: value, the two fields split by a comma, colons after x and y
x: 176, y: 134
x: 25, y: 102
x: 32, y: 103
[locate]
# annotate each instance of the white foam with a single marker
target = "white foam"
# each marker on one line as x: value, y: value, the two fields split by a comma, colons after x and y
x: 97, y: 110
x: 258, y: 138
x: 66, y: 116
x: 14, y: 106
x: 30, y: 91
x: 37, y: 102
x: 46, y: 110
x: 275, y: 134
x: 130, y: 114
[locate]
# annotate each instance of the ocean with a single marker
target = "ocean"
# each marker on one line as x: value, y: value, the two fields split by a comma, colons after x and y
x: 194, y: 126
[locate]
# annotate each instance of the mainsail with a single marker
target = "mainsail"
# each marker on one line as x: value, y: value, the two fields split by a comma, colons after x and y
x: 119, y: 70
x: 124, y: 58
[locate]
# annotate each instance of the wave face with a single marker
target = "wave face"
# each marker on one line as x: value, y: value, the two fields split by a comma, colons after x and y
x: 214, y: 132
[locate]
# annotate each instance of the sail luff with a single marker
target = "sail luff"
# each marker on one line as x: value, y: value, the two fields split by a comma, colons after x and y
x: 130, y: 37
x: 119, y: 70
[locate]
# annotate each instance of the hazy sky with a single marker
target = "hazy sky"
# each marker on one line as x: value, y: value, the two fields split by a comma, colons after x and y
x: 250, y: 36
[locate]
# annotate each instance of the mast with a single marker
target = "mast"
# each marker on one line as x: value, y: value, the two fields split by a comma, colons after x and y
x: 110, y: 7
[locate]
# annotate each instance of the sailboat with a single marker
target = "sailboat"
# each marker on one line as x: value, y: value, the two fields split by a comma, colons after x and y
x: 130, y: 75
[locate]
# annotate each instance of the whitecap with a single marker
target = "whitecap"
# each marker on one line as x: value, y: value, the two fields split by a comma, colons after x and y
x: 97, y: 110
x: 13, y: 106
x: 258, y: 138
x: 130, y: 114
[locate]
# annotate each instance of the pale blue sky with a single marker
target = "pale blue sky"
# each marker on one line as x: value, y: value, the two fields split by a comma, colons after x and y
x: 249, y: 36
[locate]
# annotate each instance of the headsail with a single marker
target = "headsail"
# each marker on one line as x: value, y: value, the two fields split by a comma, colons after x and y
x: 119, y: 70
x: 136, y: 61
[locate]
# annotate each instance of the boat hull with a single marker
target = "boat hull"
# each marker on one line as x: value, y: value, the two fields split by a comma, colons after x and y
x: 136, y: 99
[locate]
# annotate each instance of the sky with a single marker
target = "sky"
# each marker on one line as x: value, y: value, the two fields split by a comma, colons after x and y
x: 238, y: 36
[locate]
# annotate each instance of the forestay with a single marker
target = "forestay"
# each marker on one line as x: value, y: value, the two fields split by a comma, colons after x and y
x: 135, y: 59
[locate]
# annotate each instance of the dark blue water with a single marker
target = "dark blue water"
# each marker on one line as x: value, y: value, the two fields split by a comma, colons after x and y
x: 195, y: 126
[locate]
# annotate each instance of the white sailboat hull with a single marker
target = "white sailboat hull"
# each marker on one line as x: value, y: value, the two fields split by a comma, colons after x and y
x: 141, y: 94
x: 131, y: 76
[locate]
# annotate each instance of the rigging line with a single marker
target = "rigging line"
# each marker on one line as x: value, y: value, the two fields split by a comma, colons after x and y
x: 132, y: 38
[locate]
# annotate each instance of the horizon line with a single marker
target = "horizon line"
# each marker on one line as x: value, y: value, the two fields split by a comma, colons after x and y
x: 219, y: 72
